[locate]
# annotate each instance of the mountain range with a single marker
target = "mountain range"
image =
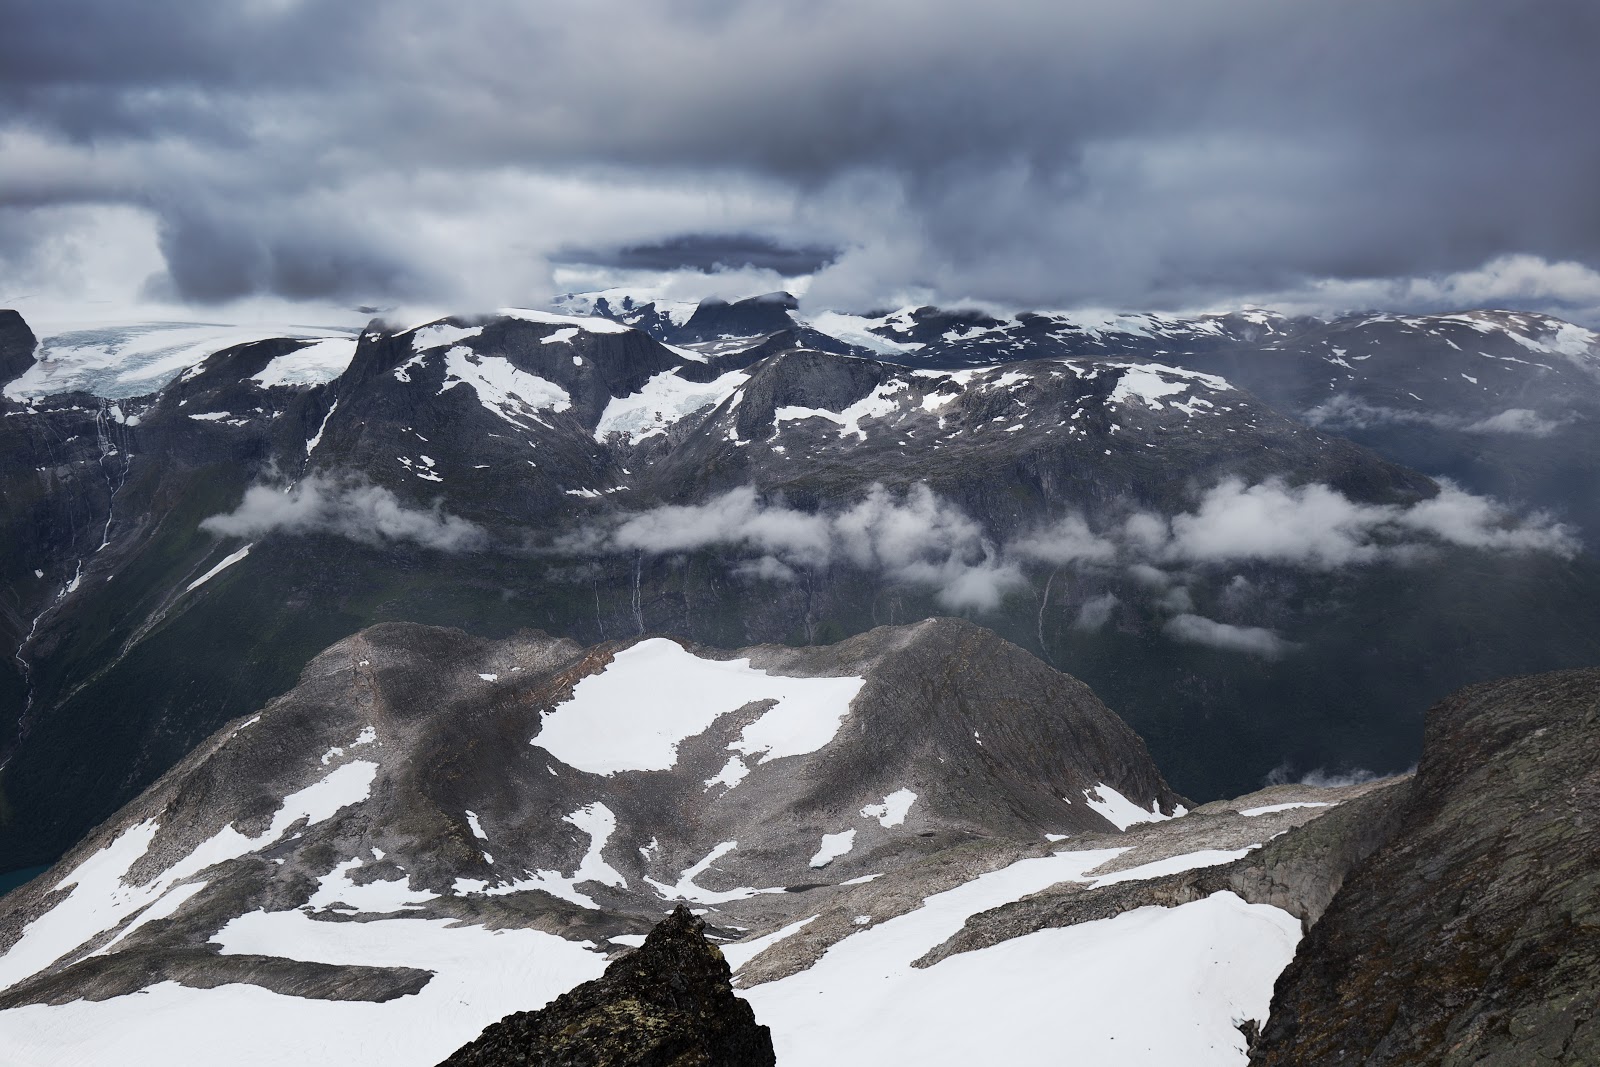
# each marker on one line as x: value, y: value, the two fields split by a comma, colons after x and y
x: 1252, y: 590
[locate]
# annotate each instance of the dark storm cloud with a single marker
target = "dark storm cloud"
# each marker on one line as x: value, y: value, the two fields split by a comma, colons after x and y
x: 705, y: 252
x: 1131, y: 153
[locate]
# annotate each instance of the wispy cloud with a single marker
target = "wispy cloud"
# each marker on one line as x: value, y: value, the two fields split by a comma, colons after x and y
x: 1199, y: 630
x: 1347, y: 412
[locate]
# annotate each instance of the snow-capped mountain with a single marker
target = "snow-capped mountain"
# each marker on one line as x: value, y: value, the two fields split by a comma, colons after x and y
x: 431, y: 831
x: 1212, y: 565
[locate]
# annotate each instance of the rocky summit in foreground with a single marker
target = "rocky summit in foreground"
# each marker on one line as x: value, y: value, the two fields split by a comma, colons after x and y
x: 1473, y: 936
x: 669, y: 1004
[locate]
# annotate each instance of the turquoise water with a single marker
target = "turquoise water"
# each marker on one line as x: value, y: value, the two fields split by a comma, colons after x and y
x: 15, y: 879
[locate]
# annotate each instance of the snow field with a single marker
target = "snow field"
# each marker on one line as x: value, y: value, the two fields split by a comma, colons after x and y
x: 124, y: 360
x: 1149, y: 988
x: 664, y: 400
x: 655, y: 695
x: 1120, y: 811
x: 480, y: 976
x: 316, y: 363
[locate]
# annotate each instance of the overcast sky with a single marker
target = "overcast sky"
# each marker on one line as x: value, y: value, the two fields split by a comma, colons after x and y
x: 1161, y: 154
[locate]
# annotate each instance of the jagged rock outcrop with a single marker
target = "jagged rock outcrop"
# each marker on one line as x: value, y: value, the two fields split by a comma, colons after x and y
x: 1473, y: 936
x: 669, y: 1004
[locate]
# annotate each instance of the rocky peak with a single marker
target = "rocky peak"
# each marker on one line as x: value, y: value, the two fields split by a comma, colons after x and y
x: 669, y: 1003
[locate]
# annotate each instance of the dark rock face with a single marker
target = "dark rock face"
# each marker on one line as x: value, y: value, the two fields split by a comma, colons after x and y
x: 16, y: 346
x: 1473, y: 936
x: 755, y: 317
x: 670, y: 1004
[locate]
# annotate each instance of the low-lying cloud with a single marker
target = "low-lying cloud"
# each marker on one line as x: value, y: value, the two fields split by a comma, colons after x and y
x: 1096, y: 612
x: 1344, y: 412
x: 1253, y: 640
x: 346, y: 507
x: 916, y: 539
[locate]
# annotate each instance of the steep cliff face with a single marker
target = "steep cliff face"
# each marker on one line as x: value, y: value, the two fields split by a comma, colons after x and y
x: 670, y: 1004
x: 1473, y: 935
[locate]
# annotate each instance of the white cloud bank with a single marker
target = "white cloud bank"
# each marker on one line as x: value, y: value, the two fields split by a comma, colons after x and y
x: 1318, y: 527
x: 346, y: 507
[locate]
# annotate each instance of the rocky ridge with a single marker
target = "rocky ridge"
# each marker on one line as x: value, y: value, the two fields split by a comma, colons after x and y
x: 449, y: 829
x: 1472, y: 935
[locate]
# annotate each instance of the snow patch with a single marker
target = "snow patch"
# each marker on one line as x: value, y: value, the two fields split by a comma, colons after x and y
x: 1267, y: 809
x: 893, y: 810
x: 833, y: 846
x: 597, y: 821
x: 501, y: 387
x: 316, y: 438
x: 875, y: 405
x: 686, y: 889
x: 742, y: 952
x: 1148, y: 383
x: 336, y: 891
x: 588, y: 325
x: 440, y: 334
x: 1119, y: 810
